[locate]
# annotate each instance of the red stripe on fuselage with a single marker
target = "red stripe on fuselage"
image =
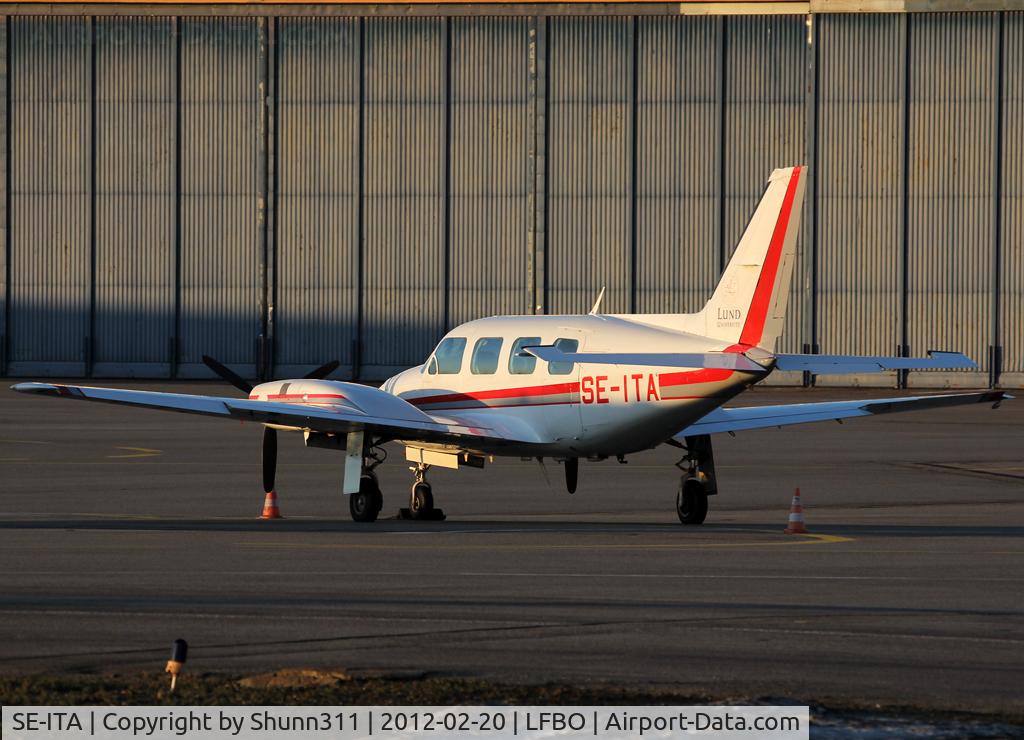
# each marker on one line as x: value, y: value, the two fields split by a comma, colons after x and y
x: 502, y: 406
x: 524, y: 392
x: 689, y: 377
x: 758, y: 313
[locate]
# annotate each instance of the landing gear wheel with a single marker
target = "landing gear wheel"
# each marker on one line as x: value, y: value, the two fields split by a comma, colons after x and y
x: 691, y: 501
x: 367, y: 503
x: 421, y: 501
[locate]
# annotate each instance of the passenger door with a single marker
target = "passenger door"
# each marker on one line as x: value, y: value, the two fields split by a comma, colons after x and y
x: 562, y: 382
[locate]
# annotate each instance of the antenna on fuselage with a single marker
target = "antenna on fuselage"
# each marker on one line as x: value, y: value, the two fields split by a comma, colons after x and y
x: 597, y: 303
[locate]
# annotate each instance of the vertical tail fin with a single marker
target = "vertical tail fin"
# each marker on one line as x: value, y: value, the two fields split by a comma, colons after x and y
x: 749, y: 305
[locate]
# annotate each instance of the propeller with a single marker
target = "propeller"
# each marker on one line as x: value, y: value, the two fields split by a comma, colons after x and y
x: 229, y: 375
x: 269, y: 458
x: 572, y: 472
x: 269, y: 435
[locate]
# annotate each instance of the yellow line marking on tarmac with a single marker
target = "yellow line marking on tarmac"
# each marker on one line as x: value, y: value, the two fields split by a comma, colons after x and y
x: 809, y: 539
x: 25, y: 442
x: 137, y: 452
x: 14, y: 459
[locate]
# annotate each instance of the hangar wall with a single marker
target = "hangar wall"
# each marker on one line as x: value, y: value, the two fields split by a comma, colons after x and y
x: 279, y: 192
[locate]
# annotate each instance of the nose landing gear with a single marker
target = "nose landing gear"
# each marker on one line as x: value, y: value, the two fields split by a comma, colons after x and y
x: 421, y: 498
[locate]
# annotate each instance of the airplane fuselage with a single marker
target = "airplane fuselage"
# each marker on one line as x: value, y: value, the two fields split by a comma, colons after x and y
x: 572, y: 409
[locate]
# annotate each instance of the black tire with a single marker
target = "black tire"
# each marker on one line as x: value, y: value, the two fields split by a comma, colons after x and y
x: 367, y: 503
x: 421, y: 502
x: 691, y: 502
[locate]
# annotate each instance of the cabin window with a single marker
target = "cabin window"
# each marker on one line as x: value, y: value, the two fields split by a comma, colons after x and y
x: 520, y: 363
x: 563, y: 368
x: 448, y: 355
x: 485, y: 356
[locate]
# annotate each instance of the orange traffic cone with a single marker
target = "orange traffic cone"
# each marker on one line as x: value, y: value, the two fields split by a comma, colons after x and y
x: 270, y: 510
x: 796, y: 516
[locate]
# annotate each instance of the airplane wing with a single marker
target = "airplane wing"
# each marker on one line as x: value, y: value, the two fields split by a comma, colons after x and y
x: 761, y: 417
x: 367, y: 408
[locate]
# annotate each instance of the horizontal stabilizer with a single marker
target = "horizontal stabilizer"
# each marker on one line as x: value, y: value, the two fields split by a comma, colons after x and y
x: 838, y: 364
x: 716, y: 360
x: 763, y: 417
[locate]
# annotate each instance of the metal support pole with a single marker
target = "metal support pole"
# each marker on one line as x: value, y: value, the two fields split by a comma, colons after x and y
x: 720, y: 149
x: 810, y: 228
x: 537, y: 28
x: 175, y: 339
x: 446, y: 277
x: 903, y: 349
x: 634, y: 118
x: 995, y: 352
x: 5, y: 267
x: 90, y: 337
x: 263, y: 181
x: 357, y: 343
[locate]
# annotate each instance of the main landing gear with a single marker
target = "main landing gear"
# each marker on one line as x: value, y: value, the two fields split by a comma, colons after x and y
x: 366, y: 504
x: 698, y: 480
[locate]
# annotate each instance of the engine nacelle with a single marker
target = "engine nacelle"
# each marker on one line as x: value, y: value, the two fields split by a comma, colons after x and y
x: 339, y: 394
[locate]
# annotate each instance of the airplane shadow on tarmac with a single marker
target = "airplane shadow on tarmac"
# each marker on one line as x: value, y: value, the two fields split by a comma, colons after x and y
x: 396, y: 526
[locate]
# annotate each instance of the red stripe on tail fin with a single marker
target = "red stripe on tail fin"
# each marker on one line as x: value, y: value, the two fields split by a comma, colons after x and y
x: 753, y: 328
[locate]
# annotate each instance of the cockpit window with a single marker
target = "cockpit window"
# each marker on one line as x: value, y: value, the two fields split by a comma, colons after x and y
x: 563, y: 368
x: 448, y: 356
x: 485, y: 356
x: 520, y: 363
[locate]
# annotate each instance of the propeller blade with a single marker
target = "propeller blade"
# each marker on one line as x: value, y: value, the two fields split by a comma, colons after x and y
x: 232, y: 377
x: 572, y: 472
x: 269, y: 458
x: 323, y: 371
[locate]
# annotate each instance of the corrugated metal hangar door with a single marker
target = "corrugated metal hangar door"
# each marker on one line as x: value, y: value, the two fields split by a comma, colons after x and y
x: 279, y: 192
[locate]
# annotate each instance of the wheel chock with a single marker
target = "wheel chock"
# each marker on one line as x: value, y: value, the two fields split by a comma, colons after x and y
x: 433, y: 515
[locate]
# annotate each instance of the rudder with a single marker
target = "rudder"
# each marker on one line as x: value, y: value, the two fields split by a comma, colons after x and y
x: 748, y: 307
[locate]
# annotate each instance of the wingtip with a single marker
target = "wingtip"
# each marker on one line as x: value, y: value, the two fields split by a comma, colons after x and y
x: 33, y: 388
x: 49, y: 389
x: 953, y: 360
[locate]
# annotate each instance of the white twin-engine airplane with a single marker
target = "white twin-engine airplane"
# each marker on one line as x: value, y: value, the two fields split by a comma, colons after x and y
x: 566, y: 387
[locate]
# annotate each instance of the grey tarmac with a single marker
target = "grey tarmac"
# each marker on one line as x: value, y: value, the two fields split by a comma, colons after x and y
x: 122, y: 529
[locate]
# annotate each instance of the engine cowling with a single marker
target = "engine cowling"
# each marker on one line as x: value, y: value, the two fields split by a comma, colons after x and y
x: 338, y: 394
